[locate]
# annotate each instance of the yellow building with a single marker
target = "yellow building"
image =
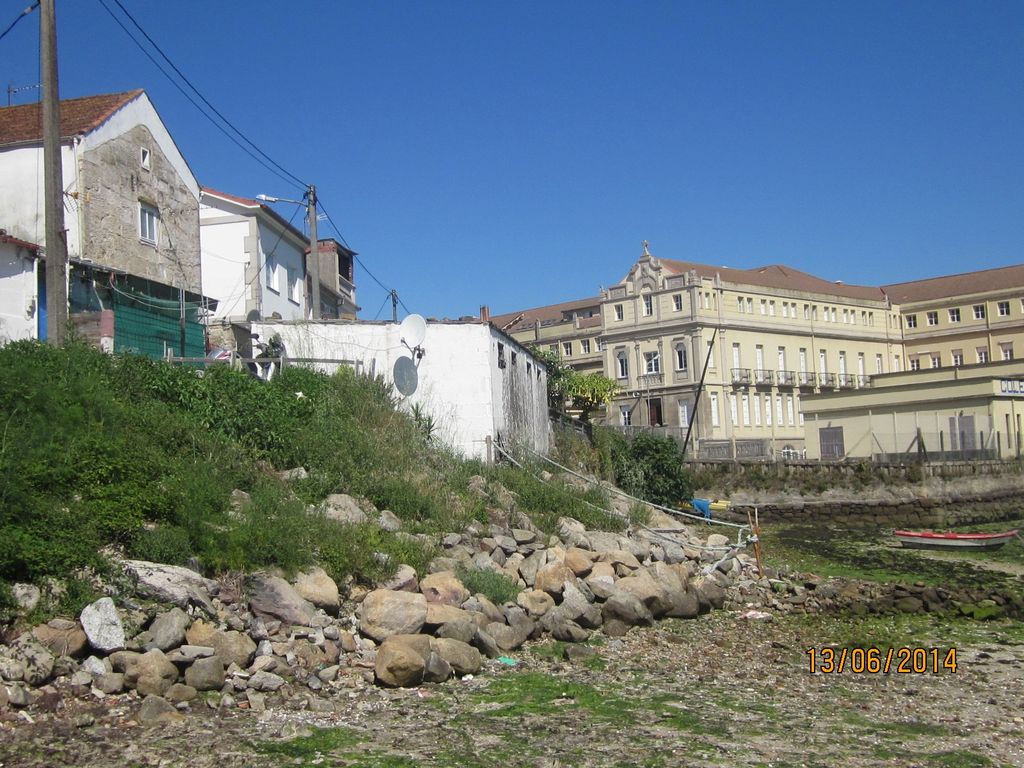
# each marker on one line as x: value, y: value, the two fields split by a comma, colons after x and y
x: 769, y: 336
x: 968, y: 412
x: 570, y: 329
x: 958, y: 320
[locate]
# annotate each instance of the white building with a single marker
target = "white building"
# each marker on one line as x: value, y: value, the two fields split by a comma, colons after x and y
x: 19, y: 281
x: 473, y: 380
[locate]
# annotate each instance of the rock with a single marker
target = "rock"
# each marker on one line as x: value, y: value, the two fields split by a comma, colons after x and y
x: 718, y: 540
x: 319, y: 589
x: 529, y: 567
x: 601, y: 580
x: 436, y: 669
x: 206, y: 674
x: 36, y: 658
x: 273, y: 598
x: 615, y: 628
x: 389, y: 521
x: 505, y: 637
x: 172, y: 584
x: 463, y: 658
x: 684, y: 605
x: 257, y: 701
x: 110, y: 683
x: 386, y: 612
x: 180, y: 693
x: 444, y: 587
x: 151, y: 673
x: 575, y: 607
x: 579, y: 561
x: 265, y: 681
x: 95, y: 666
x: 232, y: 647
x: 155, y: 710
x: 486, y: 644
x: 441, y: 613
x: 11, y: 669
x: 566, y: 630
x: 17, y: 695
x: 26, y: 597
x: 575, y: 653
x: 535, y: 602
x: 5, y: 697
x: 296, y: 473
x: 404, y: 580
x: 463, y: 630
x: 623, y: 561
x: 649, y: 592
x: 102, y: 625
x: 627, y: 608
x: 710, y: 592
x: 551, y: 577
x: 168, y: 629
x: 62, y: 637
x: 909, y: 605
x: 398, y: 663
x: 344, y: 509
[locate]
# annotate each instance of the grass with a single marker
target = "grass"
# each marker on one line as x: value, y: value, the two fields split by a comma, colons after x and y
x: 497, y: 587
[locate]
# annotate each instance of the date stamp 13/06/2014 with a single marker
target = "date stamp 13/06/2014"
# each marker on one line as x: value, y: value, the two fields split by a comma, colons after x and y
x: 882, y: 661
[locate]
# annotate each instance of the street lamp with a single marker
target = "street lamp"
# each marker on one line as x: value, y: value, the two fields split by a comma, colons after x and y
x: 313, y: 264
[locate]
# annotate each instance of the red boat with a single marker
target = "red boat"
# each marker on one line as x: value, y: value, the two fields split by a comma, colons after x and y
x: 931, y: 540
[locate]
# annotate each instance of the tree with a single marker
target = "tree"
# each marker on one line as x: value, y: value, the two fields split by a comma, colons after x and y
x: 581, y: 391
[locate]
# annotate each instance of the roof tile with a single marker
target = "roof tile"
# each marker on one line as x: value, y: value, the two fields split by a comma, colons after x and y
x: 23, y: 123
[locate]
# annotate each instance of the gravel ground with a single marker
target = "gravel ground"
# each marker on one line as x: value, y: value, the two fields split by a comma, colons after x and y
x: 717, y: 691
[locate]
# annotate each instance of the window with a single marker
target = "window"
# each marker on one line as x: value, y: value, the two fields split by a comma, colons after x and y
x: 764, y: 306
x: 681, y: 361
x: 625, y: 415
x: 734, y: 410
x: 814, y: 312
x: 915, y: 364
x: 911, y: 321
x: 567, y: 348
x: 790, y: 411
x: 144, y: 159
x: 270, y: 274
x: 958, y: 358
x: 771, y: 308
x: 677, y: 302
x: 871, y: 318
x: 982, y: 353
x: 585, y: 346
x: 553, y: 348
x: 1006, y: 350
x: 1004, y: 308
x: 835, y: 314
x: 936, y: 361
x: 846, y: 316
x: 648, y: 305
x: 713, y: 402
x: 652, y: 362
x: 979, y: 311
x: 778, y: 410
x: 933, y: 318
x: 148, y: 218
x: 294, y: 287
x: 501, y: 355
x: 621, y: 365
x: 684, y: 413
x: 618, y: 311
x: 710, y: 357
x: 785, y: 309
x: 878, y: 363
x: 807, y: 311
x: 750, y: 305
x: 757, y: 410
x: 746, y: 410
x: 954, y: 315
x: 767, y: 410
x: 740, y: 304
x: 782, y: 358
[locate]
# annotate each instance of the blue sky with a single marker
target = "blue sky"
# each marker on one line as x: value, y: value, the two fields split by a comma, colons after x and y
x: 516, y: 154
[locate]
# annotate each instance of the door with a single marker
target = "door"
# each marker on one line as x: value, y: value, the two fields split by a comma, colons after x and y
x: 831, y: 439
x: 654, y: 412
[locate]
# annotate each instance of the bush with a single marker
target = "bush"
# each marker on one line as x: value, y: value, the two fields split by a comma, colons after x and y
x: 496, y: 587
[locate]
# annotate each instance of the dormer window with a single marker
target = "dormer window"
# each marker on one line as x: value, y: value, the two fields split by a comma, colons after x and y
x: 144, y: 159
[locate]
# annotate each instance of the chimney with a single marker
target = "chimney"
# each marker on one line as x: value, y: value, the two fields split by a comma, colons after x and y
x: 485, y: 313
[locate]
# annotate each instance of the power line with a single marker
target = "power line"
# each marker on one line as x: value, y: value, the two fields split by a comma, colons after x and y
x: 382, y: 305
x: 289, y: 179
x: 359, y: 261
x: 18, y: 18
x: 206, y: 101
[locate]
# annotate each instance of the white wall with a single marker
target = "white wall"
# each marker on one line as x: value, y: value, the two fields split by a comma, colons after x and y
x: 18, y: 300
x: 224, y: 261
x: 289, y: 256
x: 459, y: 383
x: 22, y: 210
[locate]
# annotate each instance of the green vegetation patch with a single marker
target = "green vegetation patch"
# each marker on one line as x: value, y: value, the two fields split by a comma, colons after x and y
x: 497, y: 587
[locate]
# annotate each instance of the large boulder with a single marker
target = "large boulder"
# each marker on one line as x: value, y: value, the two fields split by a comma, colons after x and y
x: 151, y: 673
x: 156, y: 710
x: 171, y: 583
x: 626, y: 608
x: 580, y: 561
x: 535, y: 601
x: 404, y: 580
x: 232, y: 647
x: 386, y: 612
x: 206, y: 674
x: 463, y: 658
x: 319, y: 589
x: 62, y: 637
x: 400, y: 661
x: 443, y: 587
x: 344, y: 509
x: 273, y: 598
x: 168, y: 629
x: 102, y: 625
x: 36, y: 659
x: 552, y: 577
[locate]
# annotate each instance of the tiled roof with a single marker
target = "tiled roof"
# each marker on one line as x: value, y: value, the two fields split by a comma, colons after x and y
x: 776, y: 276
x: 964, y: 284
x: 249, y: 202
x: 552, y: 312
x: 5, y: 238
x: 24, y: 123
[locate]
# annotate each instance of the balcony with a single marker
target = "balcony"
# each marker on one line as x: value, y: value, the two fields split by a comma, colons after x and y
x: 846, y: 380
x: 648, y: 380
x: 863, y: 381
x: 806, y: 379
x: 785, y: 378
x: 762, y: 377
x: 827, y: 380
x: 740, y: 375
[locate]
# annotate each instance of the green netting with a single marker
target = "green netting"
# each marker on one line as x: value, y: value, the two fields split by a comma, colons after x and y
x: 149, y: 326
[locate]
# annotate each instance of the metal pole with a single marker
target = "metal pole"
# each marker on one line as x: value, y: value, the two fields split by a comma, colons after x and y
x: 181, y: 321
x: 394, y: 306
x: 314, y: 254
x: 53, y: 183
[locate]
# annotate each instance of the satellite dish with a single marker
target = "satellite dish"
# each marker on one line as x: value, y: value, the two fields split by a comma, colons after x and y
x: 406, y: 376
x: 412, y: 331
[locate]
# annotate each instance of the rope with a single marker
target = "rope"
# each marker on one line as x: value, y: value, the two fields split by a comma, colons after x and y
x: 668, y: 510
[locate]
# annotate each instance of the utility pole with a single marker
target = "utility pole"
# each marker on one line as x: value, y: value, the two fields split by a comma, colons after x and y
x: 53, y: 182
x: 314, y: 254
x: 394, y: 306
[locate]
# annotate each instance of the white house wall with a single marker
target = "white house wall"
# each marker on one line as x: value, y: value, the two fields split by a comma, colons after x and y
x: 18, y: 300
x: 289, y: 257
x: 224, y: 262
x: 459, y: 383
x: 22, y: 209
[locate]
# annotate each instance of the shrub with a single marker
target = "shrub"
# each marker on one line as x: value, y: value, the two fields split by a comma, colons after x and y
x: 496, y: 587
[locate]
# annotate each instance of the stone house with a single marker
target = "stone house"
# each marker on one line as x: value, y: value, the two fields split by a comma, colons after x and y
x: 131, y: 207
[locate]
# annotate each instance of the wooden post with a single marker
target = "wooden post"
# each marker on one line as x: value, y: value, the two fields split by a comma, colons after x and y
x: 490, y: 450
